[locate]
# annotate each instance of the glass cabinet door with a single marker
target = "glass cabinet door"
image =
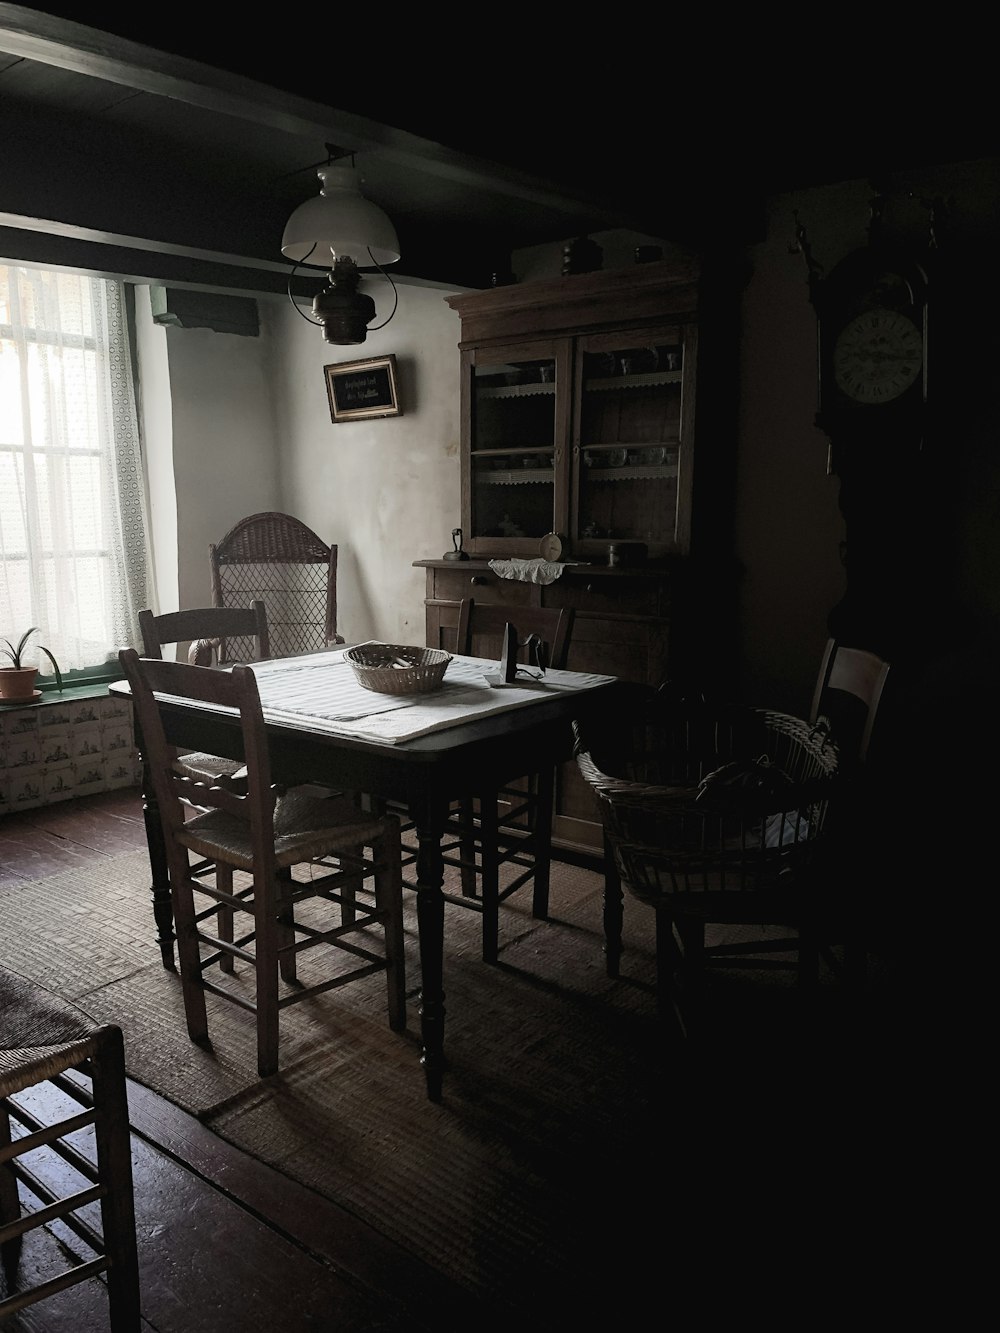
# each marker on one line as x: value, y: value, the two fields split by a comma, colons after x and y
x: 631, y: 440
x: 517, y: 428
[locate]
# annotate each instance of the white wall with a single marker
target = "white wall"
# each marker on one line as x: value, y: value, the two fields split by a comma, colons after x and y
x: 235, y: 425
x: 156, y: 418
x: 386, y: 491
x: 226, y: 461
x: 209, y: 438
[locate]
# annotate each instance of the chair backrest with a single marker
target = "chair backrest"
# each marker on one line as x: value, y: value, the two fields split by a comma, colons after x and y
x: 250, y: 799
x: 275, y: 558
x: 848, y: 692
x: 211, y: 632
x: 481, y: 628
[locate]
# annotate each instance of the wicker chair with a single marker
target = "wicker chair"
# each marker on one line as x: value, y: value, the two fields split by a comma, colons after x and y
x: 275, y: 558
x: 62, y: 1084
x: 241, y: 828
x: 714, y: 815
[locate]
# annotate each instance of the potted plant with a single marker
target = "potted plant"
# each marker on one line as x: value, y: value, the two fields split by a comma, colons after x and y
x: 17, y: 681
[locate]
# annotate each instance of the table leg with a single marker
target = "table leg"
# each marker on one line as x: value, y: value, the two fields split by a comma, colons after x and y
x: 163, y: 912
x: 430, y: 927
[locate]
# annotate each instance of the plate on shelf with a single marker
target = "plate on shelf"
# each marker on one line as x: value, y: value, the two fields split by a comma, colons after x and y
x: 616, y: 457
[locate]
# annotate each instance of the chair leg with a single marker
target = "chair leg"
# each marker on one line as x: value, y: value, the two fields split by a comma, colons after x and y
x: 285, y: 929
x: 489, y: 876
x: 188, y: 951
x: 224, y: 915
x: 114, y: 1158
x: 389, y: 901
x: 690, y: 970
x: 10, y: 1205
x: 613, y: 913
x: 467, y: 844
x: 668, y: 963
x: 544, y: 797
x: 267, y: 896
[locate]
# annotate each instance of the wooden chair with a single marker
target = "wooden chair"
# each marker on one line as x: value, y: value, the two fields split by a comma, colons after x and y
x: 211, y: 632
x: 275, y: 558
x: 241, y: 828
x: 715, y: 815
x: 490, y: 829
x: 847, y: 696
x: 62, y: 1092
x: 846, y: 701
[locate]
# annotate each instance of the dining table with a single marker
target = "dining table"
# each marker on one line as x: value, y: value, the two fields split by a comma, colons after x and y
x: 421, y: 750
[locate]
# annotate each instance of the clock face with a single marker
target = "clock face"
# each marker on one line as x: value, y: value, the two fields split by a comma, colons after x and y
x: 877, y: 356
x: 550, y: 547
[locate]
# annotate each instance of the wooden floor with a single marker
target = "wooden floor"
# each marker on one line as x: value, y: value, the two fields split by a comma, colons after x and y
x: 226, y: 1244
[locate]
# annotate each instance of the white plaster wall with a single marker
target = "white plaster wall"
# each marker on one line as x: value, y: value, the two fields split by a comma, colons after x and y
x: 225, y: 448
x: 386, y: 491
x: 156, y: 420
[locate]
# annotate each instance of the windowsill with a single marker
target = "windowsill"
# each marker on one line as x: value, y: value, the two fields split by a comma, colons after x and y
x: 96, y: 689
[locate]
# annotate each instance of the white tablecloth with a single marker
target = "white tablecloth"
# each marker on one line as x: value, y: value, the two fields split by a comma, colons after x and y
x: 321, y: 693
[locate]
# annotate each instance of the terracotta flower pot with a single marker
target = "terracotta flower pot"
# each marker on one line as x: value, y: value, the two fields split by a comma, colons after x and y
x: 17, y: 684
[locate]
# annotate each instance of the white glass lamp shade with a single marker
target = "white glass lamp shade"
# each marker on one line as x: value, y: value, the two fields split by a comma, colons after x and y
x: 339, y: 221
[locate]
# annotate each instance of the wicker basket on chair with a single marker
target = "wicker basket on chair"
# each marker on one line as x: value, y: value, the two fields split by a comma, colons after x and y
x: 713, y: 815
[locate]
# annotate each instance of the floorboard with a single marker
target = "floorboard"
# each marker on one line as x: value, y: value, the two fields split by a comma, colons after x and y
x: 225, y: 1242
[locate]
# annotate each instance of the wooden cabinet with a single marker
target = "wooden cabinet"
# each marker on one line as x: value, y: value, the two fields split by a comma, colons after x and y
x: 578, y: 409
x: 583, y: 423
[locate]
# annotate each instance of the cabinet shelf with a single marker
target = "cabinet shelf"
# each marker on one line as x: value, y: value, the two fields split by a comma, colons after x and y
x: 600, y: 447
x: 514, y: 390
x: 515, y: 476
x: 644, y: 381
x: 631, y: 472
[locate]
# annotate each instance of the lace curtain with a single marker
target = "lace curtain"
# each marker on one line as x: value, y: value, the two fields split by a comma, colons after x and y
x: 73, y: 544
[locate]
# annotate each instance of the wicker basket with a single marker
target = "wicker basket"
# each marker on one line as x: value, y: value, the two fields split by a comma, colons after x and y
x: 393, y: 668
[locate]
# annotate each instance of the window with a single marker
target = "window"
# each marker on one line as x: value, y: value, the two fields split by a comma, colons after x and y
x: 73, y: 551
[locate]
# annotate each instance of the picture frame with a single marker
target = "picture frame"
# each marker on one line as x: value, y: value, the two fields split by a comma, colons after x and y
x: 361, y: 390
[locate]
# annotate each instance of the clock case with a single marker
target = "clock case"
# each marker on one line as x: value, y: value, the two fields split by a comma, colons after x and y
x: 879, y: 277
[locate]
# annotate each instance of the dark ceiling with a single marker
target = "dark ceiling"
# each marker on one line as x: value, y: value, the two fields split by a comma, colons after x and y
x: 178, y: 141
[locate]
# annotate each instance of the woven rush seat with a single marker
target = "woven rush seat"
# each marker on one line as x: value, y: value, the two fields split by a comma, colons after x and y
x: 43, y: 1038
x: 303, y: 830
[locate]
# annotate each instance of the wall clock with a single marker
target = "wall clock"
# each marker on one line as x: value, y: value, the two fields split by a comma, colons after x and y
x: 550, y: 547
x: 877, y: 356
x: 872, y: 330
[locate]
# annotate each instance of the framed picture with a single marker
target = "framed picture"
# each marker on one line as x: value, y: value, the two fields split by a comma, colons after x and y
x: 360, y: 389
